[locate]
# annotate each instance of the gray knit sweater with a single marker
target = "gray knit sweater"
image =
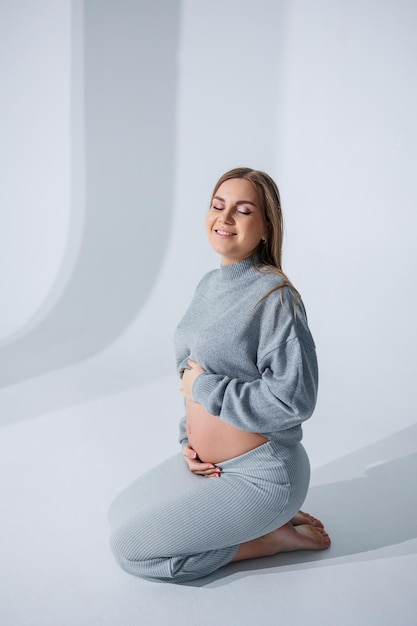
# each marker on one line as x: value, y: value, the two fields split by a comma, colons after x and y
x: 260, y: 360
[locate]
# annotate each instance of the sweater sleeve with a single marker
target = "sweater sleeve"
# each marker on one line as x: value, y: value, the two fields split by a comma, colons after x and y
x: 282, y: 397
x: 182, y: 434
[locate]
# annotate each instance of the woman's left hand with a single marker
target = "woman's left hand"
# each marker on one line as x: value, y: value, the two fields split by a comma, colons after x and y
x: 188, y: 378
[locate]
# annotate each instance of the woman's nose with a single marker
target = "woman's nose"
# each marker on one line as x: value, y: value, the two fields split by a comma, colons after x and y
x: 226, y: 216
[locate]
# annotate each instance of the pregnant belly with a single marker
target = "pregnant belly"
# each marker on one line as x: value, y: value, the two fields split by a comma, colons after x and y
x: 214, y: 440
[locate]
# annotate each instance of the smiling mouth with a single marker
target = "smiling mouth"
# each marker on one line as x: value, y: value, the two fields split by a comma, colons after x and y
x: 225, y: 233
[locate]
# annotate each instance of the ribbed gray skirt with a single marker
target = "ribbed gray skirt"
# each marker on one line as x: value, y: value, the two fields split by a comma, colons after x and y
x: 172, y: 525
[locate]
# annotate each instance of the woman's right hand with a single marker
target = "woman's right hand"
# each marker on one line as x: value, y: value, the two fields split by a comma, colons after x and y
x: 198, y: 467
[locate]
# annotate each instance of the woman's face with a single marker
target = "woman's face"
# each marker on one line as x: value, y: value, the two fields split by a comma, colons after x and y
x: 234, y: 222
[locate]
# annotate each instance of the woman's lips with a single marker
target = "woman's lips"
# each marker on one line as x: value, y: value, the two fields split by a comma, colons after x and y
x: 224, y: 234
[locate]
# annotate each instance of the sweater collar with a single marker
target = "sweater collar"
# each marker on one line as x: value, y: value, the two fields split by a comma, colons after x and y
x: 236, y: 271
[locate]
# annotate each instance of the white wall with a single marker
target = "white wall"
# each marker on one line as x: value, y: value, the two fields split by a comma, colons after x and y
x: 121, y: 67
x: 322, y: 96
x: 347, y: 155
x: 35, y: 189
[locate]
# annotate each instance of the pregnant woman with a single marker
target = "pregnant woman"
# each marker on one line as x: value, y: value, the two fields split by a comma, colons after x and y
x: 248, y: 369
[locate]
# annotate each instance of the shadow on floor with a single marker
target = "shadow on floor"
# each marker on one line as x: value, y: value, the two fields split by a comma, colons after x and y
x: 375, y: 509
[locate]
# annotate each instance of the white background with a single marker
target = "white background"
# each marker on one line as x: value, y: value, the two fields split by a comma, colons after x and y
x: 116, y: 119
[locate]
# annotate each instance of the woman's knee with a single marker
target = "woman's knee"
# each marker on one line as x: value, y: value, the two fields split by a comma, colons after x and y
x: 134, y: 558
x: 127, y: 546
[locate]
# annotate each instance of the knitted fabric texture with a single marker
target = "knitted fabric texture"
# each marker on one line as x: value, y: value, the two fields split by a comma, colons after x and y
x: 259, y: 355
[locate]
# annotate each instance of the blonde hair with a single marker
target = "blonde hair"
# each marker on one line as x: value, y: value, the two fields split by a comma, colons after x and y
x: 268, y: 254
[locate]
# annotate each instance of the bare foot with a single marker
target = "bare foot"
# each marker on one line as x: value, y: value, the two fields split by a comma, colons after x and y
x: 305, y: 518
x: 289, y: 538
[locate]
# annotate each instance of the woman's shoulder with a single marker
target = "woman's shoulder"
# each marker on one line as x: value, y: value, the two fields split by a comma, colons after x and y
x: 273, y: 282
x: 279, y: 298
x: 269, y: 278
x: 207, y: 278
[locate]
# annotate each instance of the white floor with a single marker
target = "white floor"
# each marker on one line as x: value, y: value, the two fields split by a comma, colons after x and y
x: 328, y: 105
x: 60, y: 469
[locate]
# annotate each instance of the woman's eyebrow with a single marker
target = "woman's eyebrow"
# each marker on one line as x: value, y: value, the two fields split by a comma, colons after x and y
x: 238, y: 202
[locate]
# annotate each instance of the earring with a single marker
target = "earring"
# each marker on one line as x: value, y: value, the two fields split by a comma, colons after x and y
x: 263, y: 241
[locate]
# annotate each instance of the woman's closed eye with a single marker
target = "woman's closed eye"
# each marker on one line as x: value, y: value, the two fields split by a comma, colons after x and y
x: 239, y: 209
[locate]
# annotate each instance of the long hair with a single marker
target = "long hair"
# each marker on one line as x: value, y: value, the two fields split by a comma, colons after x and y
x: 269, y: 254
